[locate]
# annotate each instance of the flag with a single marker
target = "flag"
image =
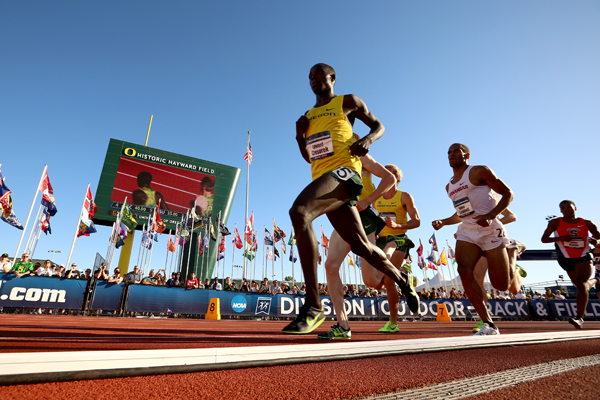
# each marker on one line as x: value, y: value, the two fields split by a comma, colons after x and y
x: 237, y: 241
x: 278, y: 233
x: 431, y: 257
x: 45, y: 222
x: 433, y: 242
x: 254, y: 243
x: 357, y: 259
x: 200, y: 244
x: 249, y: 229
x: 87, y: 227
x: 122, y: 230
x: 270, y: 255
x: 276, y: 252
x: 324, y: 239
x: 3, y: 189
x: 160, y: 225
x: 221, y: 226
x: 146, y: 239
x: 248, y: 252
x: 443, y: 258
x: 120, y: 242
x: 206, y: 238
x: 319, y: 259
x: 292, y: 240
x: 283, y: 246
x: 48, y: 194
x: 248, y: 155
x: 212, y: 232
x: 350, y: 262
x: 89, y: 206
x: 420, y: 248
x: 170, y: 245
x: 293, y: 257
x: 268, y: 239
x: 220, y: 256
x: 222, y: 246
x: 431, y: 265
x: 6, y: 204
x: 450, y: 251
x: 11, y: 220
x: 127, y: 219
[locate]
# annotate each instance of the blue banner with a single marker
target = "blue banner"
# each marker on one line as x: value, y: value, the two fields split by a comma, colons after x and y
x: 41, y: 292
x: 160, y: 299
x: 107, y: 296
x: 568, y: 308
x: 540, y: 308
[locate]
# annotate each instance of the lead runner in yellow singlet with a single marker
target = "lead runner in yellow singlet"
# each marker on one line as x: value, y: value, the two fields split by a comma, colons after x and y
x: 324, y: 136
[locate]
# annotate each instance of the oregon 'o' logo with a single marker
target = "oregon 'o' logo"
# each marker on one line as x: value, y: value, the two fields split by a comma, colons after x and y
x: 130, y: 152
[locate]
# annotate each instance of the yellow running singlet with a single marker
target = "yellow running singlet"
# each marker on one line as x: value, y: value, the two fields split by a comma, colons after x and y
x: 368, y: 187
x: 392, y: 208
x: 329, y: 138
x: 151, y: 193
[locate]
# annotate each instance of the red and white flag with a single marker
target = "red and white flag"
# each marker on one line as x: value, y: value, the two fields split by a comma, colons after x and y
x: 248, y: 155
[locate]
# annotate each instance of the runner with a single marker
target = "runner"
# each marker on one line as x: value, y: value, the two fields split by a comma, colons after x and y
x: 572, y: 242
x: 324, y: 136
x: 477, y: 209
x: 395, y: 206
x: 338, y: 248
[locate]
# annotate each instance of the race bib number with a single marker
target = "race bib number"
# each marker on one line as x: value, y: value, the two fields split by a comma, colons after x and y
x: 344, y: 173
x: 463, y: 207
x: 575, y: 243
x: 320, y: 146
x: 389, y: 215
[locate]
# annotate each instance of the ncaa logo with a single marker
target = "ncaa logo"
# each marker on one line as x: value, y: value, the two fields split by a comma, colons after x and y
x: 239, y: 303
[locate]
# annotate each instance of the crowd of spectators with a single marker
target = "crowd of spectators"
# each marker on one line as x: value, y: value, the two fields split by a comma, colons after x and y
x: 25, y: 267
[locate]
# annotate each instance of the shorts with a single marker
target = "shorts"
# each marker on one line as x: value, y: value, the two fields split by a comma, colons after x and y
x: 568, y: 264
x: 403, y: 243
x: 484, y: 237
x: 354, y: 186
x: 371, y: 222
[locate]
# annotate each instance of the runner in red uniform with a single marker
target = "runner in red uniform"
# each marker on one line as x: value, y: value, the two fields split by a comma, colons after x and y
x: 572, y: 241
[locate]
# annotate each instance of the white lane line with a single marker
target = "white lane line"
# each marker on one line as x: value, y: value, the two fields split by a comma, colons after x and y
x: 39, y: 363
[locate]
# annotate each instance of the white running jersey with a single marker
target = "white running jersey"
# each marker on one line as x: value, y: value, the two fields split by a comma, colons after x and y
x: 471, y: 201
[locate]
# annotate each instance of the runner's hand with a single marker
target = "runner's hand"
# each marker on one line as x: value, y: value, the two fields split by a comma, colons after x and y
x: 390, y: 224
x: 437, y: 224
x: 360, y: 147
x: 362, y: 205
x: 484, y: 220
x: 301, y: 126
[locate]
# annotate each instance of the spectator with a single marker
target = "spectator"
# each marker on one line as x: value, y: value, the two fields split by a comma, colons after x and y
x: 88, y: 274
x: 61, y: 273
x: 351, y: 291
x: 46, y: 270
x: 101, y: 273
x: 559, y: 296
x: 302, y: 291
x: 254, y: 288
x: 275, y: 289
x: 192, y: 282
x: 200, y: 284
x: 244, y: 287
x: 134, y: 277
x: 294, y: 290
x: 228, y: 286
x: 73, y: 273
x: 520, y: 295
x: 207, y: 283
x: 23, y: 267
x: 234, y: 286
x: 537, y: 296
x: 264, y: 286
x: 285, y: 288
x: 116, y: 277
x: 216, y: 285
x: 151, y: 279
x: 172, y: 280
x: 161, y: 277
x: 549, y: 294
x: 5, y: 264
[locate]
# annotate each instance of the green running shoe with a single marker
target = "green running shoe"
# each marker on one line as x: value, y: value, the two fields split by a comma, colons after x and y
x: 521, y: 271
x: 336, y: 332
x: 389, y: 328
x: 308, y: 319
x: 478, y: 327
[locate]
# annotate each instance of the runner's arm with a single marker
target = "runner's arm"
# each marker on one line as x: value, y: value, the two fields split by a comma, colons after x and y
x: 507, y: 217
x: 595, y: 239
x: 387, y: 181
x: 301, y: 129
x: 438, y: 224
x: 409, y: 204
x: 354, y: 107
x: 487, y: 177
x: 552, y: 226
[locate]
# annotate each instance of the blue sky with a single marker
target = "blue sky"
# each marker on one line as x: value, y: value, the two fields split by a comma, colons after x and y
x: 517, y: 82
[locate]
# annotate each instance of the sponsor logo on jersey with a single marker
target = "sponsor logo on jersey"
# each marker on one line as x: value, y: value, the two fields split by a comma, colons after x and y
x: 325, y: 114
x: 458, y: 189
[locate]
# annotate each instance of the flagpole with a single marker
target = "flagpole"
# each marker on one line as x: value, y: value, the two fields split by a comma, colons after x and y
x: 113, y: 245
x: 183, y: 227
x: 441, y: 266
x: 77, y: 227
x: 247, y: 194
x: 140, y: 249
x: 29, y: 215
x: 355, y: 272
x: 167, y: 259
x: 39, y: 232
x: 29, y: 244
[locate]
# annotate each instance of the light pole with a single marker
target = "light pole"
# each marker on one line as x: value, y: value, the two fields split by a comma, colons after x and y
x: 54, y: 253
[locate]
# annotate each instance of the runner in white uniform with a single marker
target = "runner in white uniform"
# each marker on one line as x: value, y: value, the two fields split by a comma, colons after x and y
x: 477, y: 209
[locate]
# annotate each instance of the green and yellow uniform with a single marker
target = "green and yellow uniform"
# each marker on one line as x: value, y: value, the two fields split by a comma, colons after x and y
x: 151, y: 196
x: 392, y: 208
x: 370, y: 220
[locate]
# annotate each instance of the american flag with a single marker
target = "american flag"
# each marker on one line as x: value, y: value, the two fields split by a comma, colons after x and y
x: 248, y: 155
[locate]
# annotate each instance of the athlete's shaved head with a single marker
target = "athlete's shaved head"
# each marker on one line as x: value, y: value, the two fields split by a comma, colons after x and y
x: 567, y: 202
x: 397, y: 172
x: 463, y: 147
x: 328, y: 69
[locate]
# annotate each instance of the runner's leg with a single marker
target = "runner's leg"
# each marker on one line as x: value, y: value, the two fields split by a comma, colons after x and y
x: 397, y: 257
x: 371, y: 277
x: 500, y: 271
x: 323, y: 195
x: 467, y: 255
x: 581, y: 278
x: 338, y: 249
x: 480, y: 270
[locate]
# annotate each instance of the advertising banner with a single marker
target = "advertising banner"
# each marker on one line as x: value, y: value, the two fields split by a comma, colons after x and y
x: 568, y: 308
x: 41, y: 292
x: 153, y: 299
x: 107, y: 296
x: 540, y: 308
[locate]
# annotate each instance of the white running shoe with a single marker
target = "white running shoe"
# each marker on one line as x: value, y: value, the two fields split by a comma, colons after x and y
x: 486, y: 330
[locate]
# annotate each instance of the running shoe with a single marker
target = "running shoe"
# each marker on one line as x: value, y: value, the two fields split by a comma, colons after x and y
x: 521, y: 271
x: 389, y: 328
x: 478, y: 327
x: 576, y: 322
x: 412, y: 298
x: 308, y: 319
x: 486, y: 330
x: 336, y: 332
x: 520, y: 246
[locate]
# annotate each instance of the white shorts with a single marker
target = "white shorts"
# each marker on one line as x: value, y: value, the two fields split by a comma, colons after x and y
x: 486, y: 238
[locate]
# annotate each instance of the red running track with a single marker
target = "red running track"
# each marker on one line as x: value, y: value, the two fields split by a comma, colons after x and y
x: 328, y: 380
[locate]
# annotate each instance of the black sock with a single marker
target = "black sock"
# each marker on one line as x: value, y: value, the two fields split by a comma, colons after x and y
x: 491, y: 324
